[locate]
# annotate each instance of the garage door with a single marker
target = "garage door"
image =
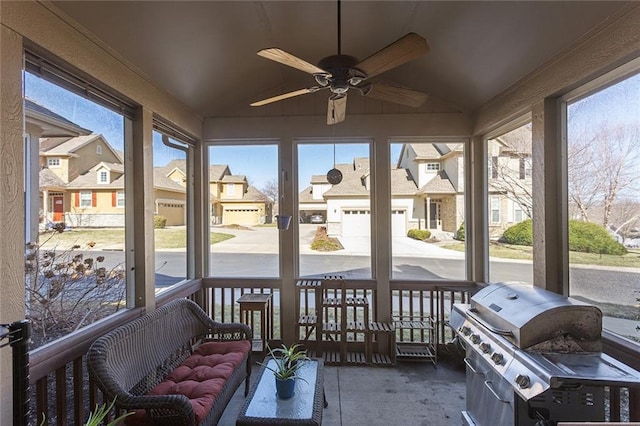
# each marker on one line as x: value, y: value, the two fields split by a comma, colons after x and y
x: 356, y: 223
x: 246, y: 217
x: 398, y: 223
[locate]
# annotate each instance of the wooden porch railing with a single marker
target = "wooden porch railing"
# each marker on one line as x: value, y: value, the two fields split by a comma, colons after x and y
x: 63, y: 393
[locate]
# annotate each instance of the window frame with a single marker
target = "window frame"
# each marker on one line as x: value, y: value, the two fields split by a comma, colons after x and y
x: 83, y: 199
x: 432, y: 166
x: 120, y: 199
x: 492, y: 210
x: 53, y: 162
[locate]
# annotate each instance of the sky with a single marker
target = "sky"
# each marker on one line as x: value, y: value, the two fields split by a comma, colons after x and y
x: 618, y: 103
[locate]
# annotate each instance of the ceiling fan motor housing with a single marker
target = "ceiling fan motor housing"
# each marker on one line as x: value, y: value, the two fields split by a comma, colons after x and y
x: 341, y: 69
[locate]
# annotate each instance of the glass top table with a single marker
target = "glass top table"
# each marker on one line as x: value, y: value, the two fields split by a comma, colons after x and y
x: 263, y: 407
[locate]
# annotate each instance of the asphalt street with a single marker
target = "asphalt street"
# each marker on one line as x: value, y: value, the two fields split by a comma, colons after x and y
x: 254, y: 253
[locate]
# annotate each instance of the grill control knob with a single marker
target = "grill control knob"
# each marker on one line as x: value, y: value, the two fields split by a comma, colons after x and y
x: 497, y: 358
x: 475, y: 338
x: 465, y: 330
x: 523, y: 381
x: 485, y: 347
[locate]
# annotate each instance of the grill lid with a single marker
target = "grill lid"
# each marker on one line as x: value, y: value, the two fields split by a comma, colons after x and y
x: 527, y: 316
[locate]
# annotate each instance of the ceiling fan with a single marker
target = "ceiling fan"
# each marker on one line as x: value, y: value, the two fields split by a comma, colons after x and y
x: 341, y: 73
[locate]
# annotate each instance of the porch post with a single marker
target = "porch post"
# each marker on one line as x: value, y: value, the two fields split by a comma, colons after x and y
x: 381, y: 229
x: 427, y: 210
x: 475, y: 230
x: 288, y: 243
x: 140, y: 167
x: 550, y: 246
x: 12, y: 216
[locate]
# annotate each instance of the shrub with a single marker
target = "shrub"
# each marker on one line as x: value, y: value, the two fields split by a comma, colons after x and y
x: 159, y: 222
x: 585, y: 237
x: 419, y: 234
x: 323, y: 242
x: 589, y: 237
x: 459, y: 235
x: 520, y: 234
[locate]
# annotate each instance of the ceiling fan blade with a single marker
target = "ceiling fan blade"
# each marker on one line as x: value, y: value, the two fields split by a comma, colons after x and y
x: 395, y: 94
x: 397, y: 53
x: 285, y: 96
x: 286, y: 58
x: 337, y: 109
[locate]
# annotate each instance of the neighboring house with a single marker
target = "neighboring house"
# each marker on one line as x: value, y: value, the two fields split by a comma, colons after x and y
x: 438, y: 172
x: 81, y: 178
x: 233, y: 200
x: 509, y: 176
x: 427, y: 191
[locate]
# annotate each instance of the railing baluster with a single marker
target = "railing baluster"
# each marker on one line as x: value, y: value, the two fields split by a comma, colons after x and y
x: 42, y: 399
x: 61, y: 395
x: 634, y: 404
x: 614, y: 404
x: 78, y: 391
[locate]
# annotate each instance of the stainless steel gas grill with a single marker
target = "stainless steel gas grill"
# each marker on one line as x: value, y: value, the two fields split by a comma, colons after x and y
x: 534, y: 358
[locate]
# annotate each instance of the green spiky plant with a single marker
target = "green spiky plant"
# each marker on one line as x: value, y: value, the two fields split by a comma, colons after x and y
x: 97, y: 416
x: 286, y: 359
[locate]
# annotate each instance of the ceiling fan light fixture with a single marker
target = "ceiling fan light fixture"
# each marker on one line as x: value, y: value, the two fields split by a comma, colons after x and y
x: 322, y: 79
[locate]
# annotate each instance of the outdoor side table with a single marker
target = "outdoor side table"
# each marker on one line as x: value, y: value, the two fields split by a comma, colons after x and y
x: 256, y: 302
x: 263, y: 407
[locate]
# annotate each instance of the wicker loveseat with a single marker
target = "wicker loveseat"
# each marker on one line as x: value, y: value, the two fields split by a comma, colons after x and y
x: 174, y: 365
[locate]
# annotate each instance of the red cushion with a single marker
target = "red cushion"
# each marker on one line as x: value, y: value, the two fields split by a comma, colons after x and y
x: 200, y: 377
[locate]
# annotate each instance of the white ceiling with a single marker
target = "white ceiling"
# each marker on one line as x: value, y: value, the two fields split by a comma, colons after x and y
x: 204, y: 53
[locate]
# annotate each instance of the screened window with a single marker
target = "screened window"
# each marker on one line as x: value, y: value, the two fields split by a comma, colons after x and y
x: 603, y: 188
x: 72, y: 278
x: 172, y: 180
x: 334, y: 218
x: 510, y: 204
x: 427, y: 211
x: 243, y: 234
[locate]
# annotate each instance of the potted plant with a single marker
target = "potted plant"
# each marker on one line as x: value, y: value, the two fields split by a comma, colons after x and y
x: 287, y: 361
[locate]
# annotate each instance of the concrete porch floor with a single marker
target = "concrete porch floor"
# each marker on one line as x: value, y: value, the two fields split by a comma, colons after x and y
x: 411, y: 393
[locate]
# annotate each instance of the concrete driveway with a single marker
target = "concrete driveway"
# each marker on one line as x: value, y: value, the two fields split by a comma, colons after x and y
x: 266, y: 239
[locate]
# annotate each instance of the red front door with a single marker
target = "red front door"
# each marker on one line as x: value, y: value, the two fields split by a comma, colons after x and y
x: 58, y: 208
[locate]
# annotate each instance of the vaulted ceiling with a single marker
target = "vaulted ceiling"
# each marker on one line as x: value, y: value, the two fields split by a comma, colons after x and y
x: 204, y: 53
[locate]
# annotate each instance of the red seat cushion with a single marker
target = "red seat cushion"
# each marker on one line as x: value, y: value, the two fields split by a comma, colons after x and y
x: 200, y: 377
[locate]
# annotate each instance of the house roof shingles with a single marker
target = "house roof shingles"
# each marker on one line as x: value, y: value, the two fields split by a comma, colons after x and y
x: 440, y: 184
x: 48, y: 179
x: 66, y: 146
x: 402, y: 182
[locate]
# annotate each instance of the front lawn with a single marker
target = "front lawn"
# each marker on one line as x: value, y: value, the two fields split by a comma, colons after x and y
x: 166, y: 238
x: 508, y: 251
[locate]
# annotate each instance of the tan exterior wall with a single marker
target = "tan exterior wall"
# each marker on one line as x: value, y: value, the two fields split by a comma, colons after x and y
x: 87, y: 158
x: 214, y: 188
x: 243, y: 218
x: 238, y: 191
x: 63, y: 170
x: 174, y: 213
x: 178, y: 177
